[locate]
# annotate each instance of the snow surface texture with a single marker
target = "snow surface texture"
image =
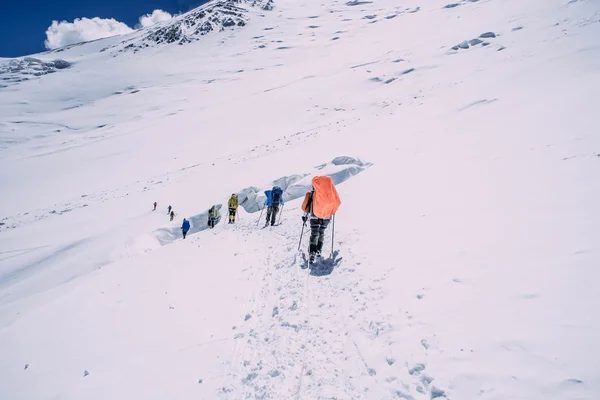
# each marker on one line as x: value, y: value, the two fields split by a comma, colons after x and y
x: 466, y: 250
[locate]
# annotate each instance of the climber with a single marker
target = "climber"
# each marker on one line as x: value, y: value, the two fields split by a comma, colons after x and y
x: 213, y: 215
x: 274, y: 200
x: 185, y: 227
x: 319, y: 206
x: 233, y: 205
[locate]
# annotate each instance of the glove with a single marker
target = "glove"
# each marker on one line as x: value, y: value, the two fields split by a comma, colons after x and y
x: 304, y: 218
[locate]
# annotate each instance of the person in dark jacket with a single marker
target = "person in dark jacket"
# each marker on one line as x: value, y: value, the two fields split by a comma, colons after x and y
x: 155, y: 204
x: 172, y: 215
x: 274, y: 200
x: 317, y: 227
x: 169, y: 209
x: 185, y: 227
x: 213, y: 215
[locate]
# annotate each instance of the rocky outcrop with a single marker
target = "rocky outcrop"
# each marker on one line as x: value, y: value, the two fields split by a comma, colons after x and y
x: 23, y: 69
x: 216, y: 15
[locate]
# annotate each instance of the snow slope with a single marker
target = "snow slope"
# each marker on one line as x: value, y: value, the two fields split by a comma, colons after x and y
x: 463, y: 138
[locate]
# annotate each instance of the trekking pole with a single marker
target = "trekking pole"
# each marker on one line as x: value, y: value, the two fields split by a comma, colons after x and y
x: 280, y: 214
x: 332, y: 233
x: 301, y: 233
x: 261, y: 213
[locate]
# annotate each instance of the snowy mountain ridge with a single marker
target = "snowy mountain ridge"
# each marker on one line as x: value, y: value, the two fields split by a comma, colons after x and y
x: 216, y: 15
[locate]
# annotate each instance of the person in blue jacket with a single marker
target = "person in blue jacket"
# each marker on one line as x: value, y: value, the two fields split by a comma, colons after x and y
x: 185, y: 227
x: 274, y: 200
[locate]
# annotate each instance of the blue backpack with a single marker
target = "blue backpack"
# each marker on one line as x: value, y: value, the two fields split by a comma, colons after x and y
x: 277, y: 194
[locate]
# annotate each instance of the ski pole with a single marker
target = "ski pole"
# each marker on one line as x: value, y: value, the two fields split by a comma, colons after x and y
x: 301, y: 233
x: 332, y: 233
x: 261, y: 213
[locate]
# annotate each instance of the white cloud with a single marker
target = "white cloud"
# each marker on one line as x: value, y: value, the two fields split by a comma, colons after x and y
x: 156, y: 16
x: 63, y: 33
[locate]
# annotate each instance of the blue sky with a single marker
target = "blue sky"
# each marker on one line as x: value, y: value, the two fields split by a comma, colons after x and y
x: 24, y: 31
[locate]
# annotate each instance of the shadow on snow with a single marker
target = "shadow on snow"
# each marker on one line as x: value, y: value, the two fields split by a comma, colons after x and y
x: 323, y: 266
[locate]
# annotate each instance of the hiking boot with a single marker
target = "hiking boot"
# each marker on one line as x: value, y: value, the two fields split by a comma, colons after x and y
x: 312, y: 258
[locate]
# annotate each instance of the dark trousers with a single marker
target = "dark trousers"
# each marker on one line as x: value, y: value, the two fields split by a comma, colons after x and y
x: 184, y: 233
x: 317, y: 234
x: 232, y: 212
x: 212, y: 221
x: 272, y: 214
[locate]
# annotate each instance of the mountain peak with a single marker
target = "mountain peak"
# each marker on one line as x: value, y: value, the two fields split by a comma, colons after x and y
x: 216, y: 15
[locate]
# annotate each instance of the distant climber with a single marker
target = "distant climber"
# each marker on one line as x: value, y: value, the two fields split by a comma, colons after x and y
x: 169, y: 209
x: 172, y: 215
x: 155, y: 204
x: 319, y: 206
x: 185, y: 227
x: 274, y: 200
x: 233, y: 205
x: 213, y: 215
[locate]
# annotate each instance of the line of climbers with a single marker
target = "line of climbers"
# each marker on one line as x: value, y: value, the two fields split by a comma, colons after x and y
x: 170, y: 211
x: 319, y: 206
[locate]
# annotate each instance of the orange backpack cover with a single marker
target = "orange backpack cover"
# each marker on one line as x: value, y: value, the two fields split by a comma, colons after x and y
x: 326, y: 200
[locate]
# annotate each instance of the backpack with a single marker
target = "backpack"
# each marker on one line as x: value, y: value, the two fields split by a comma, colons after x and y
x: 277, y: 193
x: 324, y: 201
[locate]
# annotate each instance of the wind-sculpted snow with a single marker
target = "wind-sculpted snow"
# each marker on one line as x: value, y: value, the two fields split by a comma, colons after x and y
x: 337, y: 173
x: 465, y: 44
x: 345, y: 160
x: 462, y: 2
x: 340, y: 169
